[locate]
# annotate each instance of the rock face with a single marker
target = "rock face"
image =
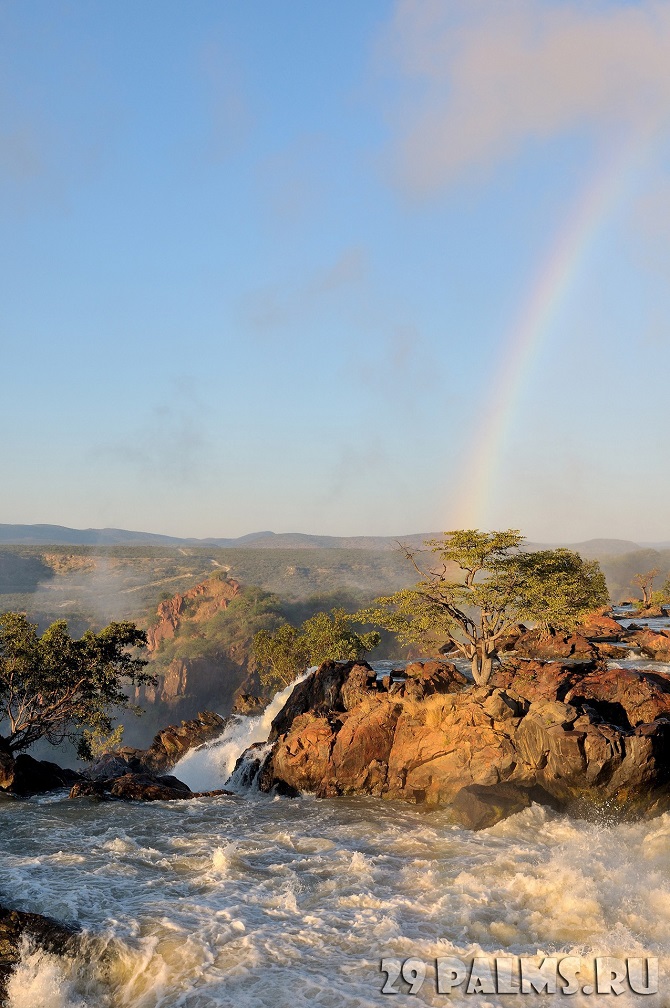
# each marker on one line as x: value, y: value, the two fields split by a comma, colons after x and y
x: 137, y: 774
x: 43, y: 932
x: 555, y: 644
x: 23, y: 775
x: 187, y: 685
x: 563, y: 733
x: 207, y: 597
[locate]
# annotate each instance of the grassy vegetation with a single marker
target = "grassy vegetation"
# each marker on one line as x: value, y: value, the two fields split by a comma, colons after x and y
x: 127, y: 582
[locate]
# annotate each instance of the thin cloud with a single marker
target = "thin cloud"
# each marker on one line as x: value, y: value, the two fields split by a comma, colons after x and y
x: 268, y: 309
x: 230, y: 117
x: 481, y: 78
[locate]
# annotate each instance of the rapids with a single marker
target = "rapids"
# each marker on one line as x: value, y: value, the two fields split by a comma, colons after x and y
x: 252, y: 901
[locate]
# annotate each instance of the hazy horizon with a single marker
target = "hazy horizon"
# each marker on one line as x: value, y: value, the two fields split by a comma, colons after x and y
x: 344, y: 268
x: 216, y: 535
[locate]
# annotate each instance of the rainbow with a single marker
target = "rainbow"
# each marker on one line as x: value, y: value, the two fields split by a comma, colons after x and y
x: 540, y: 313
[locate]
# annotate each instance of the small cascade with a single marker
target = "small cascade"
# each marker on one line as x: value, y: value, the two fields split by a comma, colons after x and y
x: 210, y: 766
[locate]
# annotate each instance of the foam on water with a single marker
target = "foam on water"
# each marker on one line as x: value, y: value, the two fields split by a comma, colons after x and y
x: 293, y: 902
x: 233, y: 902
x: 209, y: 767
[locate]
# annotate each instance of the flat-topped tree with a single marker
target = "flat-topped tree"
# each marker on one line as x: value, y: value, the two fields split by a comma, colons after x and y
x: 481, y: 587
x: 53, y: 687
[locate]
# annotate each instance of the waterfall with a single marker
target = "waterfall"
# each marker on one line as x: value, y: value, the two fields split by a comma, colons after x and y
x: 210, y: 766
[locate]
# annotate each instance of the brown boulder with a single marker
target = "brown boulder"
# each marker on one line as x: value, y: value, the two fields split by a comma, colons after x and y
x: 581, y: 733
x: 302, y: 755
x: 33, y: 776
x: 144, y: 787
x: 477, y: 807
x: 622, y: 696
x: 554, y: 644
x: 601, y: 626
x: 654, y: 643
x: 6, y: 769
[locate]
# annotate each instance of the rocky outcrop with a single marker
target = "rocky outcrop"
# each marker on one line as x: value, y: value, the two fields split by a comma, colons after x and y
x: 552, y: 644
x: 600, y: 626
x: 138, y: 774
x: 167, y: 748
x: 248, y: 705
x: 23, y: 775
x: 43, y: 932
x: 565, y: 733
x: 653, y: 643
x: 139, y: 787
x: 199, y: 604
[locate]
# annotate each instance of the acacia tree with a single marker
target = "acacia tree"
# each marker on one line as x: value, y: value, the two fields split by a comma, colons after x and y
x: 645, y: 582
x: 53, y: 686
x: 481, y: 587
x: 286, y: 652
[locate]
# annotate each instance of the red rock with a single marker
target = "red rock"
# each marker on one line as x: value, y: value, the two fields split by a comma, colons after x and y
x: 554, y: 644
x: 575, y: 732
x: 601, y: 625
x: 654, y: 643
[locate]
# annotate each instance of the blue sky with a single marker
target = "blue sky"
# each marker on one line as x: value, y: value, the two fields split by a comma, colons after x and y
x: 261, y: 261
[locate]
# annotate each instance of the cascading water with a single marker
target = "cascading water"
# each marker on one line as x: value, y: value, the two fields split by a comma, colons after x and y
x: 209, y: 767
x: 288, y: 902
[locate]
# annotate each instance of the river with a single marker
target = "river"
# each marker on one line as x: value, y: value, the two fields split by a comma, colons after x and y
x: 252, y: 901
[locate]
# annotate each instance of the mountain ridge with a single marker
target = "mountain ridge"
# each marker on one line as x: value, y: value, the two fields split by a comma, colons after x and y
x: 62, y: 535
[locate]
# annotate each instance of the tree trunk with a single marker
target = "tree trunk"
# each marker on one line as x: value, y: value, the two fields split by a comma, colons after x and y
x: 476, y: 668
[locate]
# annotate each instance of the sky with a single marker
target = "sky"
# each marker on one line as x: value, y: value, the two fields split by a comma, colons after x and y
x: 339, y: 267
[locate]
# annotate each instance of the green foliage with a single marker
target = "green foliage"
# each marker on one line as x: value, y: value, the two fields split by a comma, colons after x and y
x: 281, y: 655
x: 53, y: 686
x: 94, y: 744
x: 288, y: 651
x: 482, y: 585
x: 229, y: 631
x: 331, y: 637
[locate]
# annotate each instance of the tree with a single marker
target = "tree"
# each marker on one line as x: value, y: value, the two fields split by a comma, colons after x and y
x: 331, y: 637
x: 645, y: 582
x: 288, y: 651
x: 482, y: 586
x: 280, y: 654
x: 53, y: 686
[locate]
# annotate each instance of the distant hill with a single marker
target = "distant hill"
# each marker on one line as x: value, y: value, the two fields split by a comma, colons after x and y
x: 60, y: 535
x: 593, y: 549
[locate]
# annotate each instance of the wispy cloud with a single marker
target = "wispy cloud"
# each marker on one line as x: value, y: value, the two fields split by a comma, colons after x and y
x: 170, y: 443
x: 483, y: 77
x: 230, y: 116
x: 266, y: 310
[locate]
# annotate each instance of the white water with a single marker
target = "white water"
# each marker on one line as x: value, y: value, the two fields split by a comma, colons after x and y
x: 209, y: 767
x: 258, y: 902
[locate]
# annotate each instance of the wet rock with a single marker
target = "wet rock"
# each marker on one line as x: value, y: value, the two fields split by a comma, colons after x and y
x: 654, y: 643
x: 43, y: 932
x: 33, y: 776
x: 478, y: 807
x: 144, y: 787
x: 247, y: 705
x: 6, y: 769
